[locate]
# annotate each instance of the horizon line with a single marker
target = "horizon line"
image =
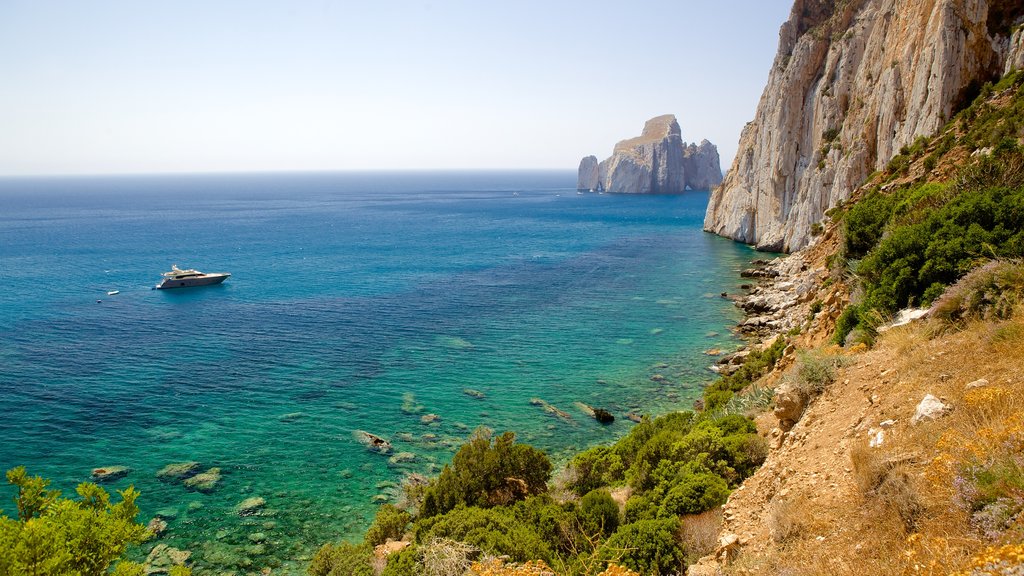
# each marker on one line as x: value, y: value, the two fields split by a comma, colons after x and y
x: 278, y: 171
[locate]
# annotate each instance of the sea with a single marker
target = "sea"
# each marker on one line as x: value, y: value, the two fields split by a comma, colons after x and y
x: 417, y: 306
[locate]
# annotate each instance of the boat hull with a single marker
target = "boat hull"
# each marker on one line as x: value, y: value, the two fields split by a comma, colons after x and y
x: 204, y: 280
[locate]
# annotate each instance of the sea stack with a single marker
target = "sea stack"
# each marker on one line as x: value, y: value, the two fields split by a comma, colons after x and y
x: 656, y: 162
x: 588, y: 175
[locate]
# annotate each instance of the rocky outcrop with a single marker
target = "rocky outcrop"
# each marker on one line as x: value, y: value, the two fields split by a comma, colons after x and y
x: 588, y: 175
x: 702, y: 166
x: 656, y: 162
x: 852, y: 83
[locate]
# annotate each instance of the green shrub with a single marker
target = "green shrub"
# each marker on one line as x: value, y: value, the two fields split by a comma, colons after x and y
x: 756, y: 364
x: 846, y: 322
x: 864, y: 223
x: 641, y: 507
x: 487, y: 472
x: 494, y: 530
x: 647, y: 547
x: 54, y: 535
x: 694, y: 493
x: 598, y: 513
x: 389, y: 524
x: 815, y: 371
x: 593, y: 468
x: 342, y: 559
x: 405, y: 562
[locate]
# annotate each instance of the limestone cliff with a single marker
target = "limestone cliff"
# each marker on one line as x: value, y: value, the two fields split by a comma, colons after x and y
x: 702, y: 166
x: 656, y: 162
x: 852, y: 83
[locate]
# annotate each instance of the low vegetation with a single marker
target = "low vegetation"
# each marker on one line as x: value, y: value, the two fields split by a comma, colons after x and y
x: 76, y: 537
x: 910, y: 242
x: 491, y: 508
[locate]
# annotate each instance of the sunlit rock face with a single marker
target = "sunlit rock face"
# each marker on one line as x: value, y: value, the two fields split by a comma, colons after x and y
x: 852, y: 83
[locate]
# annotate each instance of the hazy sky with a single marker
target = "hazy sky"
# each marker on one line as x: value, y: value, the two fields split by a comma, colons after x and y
x: 193, y: 86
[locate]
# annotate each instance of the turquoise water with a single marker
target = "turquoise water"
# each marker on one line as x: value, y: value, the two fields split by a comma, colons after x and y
x: 356, y: 302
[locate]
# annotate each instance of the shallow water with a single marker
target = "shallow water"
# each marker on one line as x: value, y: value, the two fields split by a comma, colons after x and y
x: 356, y: 302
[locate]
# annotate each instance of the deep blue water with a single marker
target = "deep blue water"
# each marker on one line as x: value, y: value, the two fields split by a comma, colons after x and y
x: 358, y: 301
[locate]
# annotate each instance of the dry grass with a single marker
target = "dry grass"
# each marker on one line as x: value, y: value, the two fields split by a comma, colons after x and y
x: 700, y: 533
x: 907, y: 512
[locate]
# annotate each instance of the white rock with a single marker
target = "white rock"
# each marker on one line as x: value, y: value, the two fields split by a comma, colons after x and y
x: 979, y: 383
x: 930, y: 408
x: 875, y: 437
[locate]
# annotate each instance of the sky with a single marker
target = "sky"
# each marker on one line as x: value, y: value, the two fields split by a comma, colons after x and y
x: 111, y: 87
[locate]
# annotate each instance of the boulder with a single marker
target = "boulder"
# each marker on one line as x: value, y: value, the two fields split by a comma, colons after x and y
x: 603, y: 416
x: 930, y: 408
x: 157, y: 526
x: 474, y: 393
x: 110, y: 473
x: 789, y: 405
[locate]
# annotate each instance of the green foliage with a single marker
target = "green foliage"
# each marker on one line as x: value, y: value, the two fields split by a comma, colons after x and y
x: 342, y: 559
x: 694, y: 493
x: 647, y: 547
x: 915, y: 262
x: 864, y: 223
x: 815, y: 371
x: 488, y: 472
x: 598, y: 513
x: 846, y: 322
x: 388, y: 524
x: 55, y: 535
x: 403, y: 563
x: 755, y: 365
x: 494, y: 530
x: 596, y: 467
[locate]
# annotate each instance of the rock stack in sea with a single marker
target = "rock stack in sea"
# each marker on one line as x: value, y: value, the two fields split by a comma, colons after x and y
x: 656, y: 162
x: 852, y: 84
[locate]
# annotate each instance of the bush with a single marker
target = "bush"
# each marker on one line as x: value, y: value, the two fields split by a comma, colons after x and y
x: 388, y: 524
x: 405, y: 562
x: 342, y: 559
x: 493, y: 530
x: 598, y: 513
x: 487, y: 473
x: 695, y: 493
x: 593, y: 468
x: 991, y: 291
x: 647, y: 547
x: 54, y: 535
x: 846, y: 322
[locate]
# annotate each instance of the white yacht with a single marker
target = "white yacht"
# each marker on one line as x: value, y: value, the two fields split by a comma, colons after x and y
x: 178, y: 278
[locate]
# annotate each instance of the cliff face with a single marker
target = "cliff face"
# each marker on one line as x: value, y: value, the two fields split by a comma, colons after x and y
x: 702, y: 166
x: 656, y: 162
x: 852, y: 83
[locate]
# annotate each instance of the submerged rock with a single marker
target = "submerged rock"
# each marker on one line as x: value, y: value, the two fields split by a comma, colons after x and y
x: 373, y: 442
x: 178, y: 471
x: 550, y: 409
x: 402, y: 458
x: 474, y: 393
x: 204, y: 482
x: 429, y: 418
x: 292, y: 416
x: 250, y: 506
x: 157, y: 526
x: 162, y: 558
x: 110, y: 473
x: 603, y: 416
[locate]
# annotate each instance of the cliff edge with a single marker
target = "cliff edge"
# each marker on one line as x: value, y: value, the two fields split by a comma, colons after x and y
x: 853, y: 83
